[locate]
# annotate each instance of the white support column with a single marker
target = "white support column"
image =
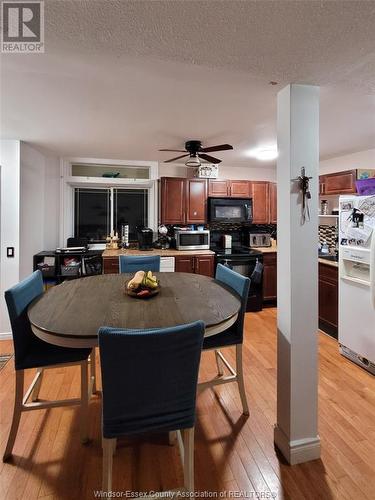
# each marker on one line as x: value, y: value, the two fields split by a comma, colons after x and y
x: 296, y: 431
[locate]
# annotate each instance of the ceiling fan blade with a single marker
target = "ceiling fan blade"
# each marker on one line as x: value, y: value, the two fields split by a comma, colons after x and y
x: 220, y: 147
x: 209, y: 158
x: 174, y: 159
x: 174, y: 150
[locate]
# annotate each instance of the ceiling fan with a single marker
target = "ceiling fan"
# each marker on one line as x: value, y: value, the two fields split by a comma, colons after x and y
x: 194, y: 150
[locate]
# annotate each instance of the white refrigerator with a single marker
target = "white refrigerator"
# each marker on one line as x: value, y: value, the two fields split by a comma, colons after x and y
x: 357, y: 280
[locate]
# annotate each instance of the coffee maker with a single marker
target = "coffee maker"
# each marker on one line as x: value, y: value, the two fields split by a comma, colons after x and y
x: 145, y: 237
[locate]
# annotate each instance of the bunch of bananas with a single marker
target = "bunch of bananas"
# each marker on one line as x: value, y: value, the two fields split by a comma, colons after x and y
x: 143, y: 283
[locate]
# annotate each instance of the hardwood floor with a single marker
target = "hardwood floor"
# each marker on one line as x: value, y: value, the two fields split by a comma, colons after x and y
x: 233, y: 453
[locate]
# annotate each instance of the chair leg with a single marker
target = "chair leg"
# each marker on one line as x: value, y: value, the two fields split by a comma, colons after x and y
x: 16, y: 414
x: 35, y: 393
x: 93, y: 370
x: 189, y: 459
x: 172, y: 437
x: 109, y: 445
x: 218, y: 364
x: 84, y: 401
x: 240, y: 380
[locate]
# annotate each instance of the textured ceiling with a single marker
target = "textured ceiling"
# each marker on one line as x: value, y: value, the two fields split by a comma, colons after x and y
x: 123, y: 78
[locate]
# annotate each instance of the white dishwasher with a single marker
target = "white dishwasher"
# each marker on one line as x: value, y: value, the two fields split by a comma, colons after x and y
x: 167, y: 264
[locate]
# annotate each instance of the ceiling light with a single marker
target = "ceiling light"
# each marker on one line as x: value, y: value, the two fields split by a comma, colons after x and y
x: 266, y: 154
x: 193, y: 161
x: 263, y: 154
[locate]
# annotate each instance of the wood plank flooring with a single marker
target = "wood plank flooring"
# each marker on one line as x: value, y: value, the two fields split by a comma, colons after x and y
x: 233, y: 454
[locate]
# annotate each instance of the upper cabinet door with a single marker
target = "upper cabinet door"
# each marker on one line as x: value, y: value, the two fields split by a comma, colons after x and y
x: 218, y: 188
x: 260, y: 196
x: 273, y: 202
x: 196, y: 200
x: 340, y: 182
x: 173, y: 200
x: 240, y: 189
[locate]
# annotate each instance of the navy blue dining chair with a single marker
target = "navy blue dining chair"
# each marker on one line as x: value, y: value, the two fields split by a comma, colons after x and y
x: 31, y: 352
x: 149, y: 381
x: 134, y: 263
x: 233, y: 336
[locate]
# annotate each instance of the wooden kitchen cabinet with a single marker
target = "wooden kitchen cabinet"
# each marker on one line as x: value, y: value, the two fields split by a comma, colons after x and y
x: 338, y: 183
x: 196, y: 201
x: 184, y: 264
x: 227, y: 188
x: 111, y: 265
x: 204, y: 264
x: 273, y: 202
x: 183, y: 201
x: 328, y: 299
x: 239, y: 189
x: 261, y: 205
x: 269, y: 277
x: 173, y: 200
x: 218, y: 188
x: 199, y: 264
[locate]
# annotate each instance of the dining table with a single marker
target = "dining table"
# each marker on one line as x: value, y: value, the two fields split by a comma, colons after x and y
x: 70, y: 314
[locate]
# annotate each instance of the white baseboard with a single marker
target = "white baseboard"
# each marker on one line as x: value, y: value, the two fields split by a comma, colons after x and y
x: 6, y: 336
x: 298, y: 451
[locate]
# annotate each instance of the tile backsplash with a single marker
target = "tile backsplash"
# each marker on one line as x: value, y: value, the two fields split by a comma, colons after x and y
x: 328, y: 234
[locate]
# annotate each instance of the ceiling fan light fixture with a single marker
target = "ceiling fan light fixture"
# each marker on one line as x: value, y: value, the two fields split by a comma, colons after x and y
x: 193, y: 161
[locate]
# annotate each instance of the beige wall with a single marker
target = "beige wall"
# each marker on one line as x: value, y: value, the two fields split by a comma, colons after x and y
x: 362, y: 159
x: 225, y: 172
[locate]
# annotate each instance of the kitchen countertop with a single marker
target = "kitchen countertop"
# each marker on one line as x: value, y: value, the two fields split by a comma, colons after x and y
x: 273, y: 249
x: 170, y: 252
x: 331, y: 263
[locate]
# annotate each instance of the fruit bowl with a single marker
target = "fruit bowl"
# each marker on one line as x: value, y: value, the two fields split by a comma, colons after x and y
x: 142, y: 286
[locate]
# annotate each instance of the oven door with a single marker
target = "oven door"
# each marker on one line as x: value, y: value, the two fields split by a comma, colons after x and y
x: 245, y: 267
x: 230, y: 210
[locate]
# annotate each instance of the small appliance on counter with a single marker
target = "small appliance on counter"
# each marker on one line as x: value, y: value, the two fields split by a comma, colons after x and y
x: 259, y: 240
x: 192, y: 239
x: 145, y: 237
x: 124, y: 233
x: 163, y: 241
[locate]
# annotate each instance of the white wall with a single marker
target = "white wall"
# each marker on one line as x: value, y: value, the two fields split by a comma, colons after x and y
x: 39, y: 223
x: 29, y: 212
x: 263, y: 173
x: 10, y: 222
x: 362, y: 159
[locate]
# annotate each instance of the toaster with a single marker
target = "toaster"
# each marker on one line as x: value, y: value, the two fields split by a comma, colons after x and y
x: 260, y: 240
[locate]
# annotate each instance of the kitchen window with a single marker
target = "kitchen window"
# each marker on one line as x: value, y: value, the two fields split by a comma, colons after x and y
x: 98, y: 211
x: 98, y: 195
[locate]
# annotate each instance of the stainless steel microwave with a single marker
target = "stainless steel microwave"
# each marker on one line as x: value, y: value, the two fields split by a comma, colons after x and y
x: 192, y: 240
x: 230, y: 210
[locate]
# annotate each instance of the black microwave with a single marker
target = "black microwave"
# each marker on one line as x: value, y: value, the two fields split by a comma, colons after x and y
x: 230, y: 210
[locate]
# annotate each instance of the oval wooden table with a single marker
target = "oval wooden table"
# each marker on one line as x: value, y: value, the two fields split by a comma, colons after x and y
x: 71, y: 314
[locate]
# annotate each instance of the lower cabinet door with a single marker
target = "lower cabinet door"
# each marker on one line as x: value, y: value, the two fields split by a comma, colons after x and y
x: 269, y: 276
x: 204, y: 264
x: 328, y: 299
x: 110, y: 265
x: 184, y: 264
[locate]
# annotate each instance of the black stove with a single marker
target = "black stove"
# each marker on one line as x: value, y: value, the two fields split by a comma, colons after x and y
x: 244, y: 260
x: 236, y: 251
